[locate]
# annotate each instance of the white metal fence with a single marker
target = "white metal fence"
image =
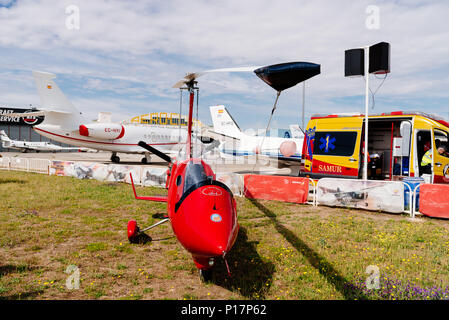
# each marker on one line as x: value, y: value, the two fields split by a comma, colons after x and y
x: 25, y: 164
x: 355, y: 192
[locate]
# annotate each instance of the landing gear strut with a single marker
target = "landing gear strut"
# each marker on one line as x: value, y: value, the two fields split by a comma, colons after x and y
x: 146, y: 159
x: 206, y: 275
x: 115, y: 158
x: 134, y: 230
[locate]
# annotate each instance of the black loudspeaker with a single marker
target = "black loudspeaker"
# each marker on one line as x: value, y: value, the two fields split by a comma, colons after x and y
x: 379, y: 58
x: 354, y: 62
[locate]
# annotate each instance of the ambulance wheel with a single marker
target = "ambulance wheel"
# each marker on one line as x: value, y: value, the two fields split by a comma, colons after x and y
x: 206, y: 275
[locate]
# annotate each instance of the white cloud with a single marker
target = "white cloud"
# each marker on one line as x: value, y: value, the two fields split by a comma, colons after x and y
x: 137, y: 50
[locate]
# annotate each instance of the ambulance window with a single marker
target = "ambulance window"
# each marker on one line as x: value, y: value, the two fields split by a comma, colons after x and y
x: 441, y: 140
x: 331, y: 143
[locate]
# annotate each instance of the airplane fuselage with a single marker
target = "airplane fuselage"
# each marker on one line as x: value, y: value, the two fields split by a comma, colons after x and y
x: 252, y: 145
x: 164, y: 138
x: 27, y: 145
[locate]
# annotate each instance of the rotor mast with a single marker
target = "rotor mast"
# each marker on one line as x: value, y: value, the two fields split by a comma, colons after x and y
x: 191, y: 88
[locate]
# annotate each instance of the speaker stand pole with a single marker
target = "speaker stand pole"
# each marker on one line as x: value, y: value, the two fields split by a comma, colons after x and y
x: 365, y: 153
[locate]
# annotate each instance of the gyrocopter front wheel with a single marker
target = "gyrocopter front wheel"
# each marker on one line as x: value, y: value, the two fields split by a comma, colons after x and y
x: 133, y: 230
x: 205, y: 274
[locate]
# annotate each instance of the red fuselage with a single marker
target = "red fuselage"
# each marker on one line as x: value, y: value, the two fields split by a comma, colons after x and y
x: 202, y: 211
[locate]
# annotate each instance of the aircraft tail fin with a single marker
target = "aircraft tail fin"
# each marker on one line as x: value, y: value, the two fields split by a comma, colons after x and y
x: 52, y: 98
x: 4, y: 136
x: 6, y: 141
x: 57, y: 108
x: 224, y: 123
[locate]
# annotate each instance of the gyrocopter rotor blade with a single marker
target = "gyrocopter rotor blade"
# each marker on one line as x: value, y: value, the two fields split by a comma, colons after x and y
x: 192, y: 76
x: 278, y: 76
x: 160, y: 154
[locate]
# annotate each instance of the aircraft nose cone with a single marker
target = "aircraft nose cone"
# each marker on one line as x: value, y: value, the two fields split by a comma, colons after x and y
x: 206, y: 222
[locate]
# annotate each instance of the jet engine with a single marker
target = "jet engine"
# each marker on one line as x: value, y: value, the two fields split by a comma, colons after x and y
x: 110, y: 131
x: 287, y: 148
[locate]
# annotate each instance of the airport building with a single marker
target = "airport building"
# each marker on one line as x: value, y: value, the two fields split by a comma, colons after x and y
x: 163, y: 119
x: 21, y: 128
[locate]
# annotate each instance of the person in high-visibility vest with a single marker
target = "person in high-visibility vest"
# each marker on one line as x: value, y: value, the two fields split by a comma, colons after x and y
x: 426, y: 162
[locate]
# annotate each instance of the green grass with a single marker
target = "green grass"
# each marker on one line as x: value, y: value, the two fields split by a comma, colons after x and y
x: 283, y: 251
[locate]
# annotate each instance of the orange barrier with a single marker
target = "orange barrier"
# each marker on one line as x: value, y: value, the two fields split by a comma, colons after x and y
x: 434, y: 200
x: 288, y: 189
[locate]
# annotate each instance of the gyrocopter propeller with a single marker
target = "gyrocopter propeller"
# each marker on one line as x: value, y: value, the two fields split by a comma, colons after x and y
x: 202, y: 211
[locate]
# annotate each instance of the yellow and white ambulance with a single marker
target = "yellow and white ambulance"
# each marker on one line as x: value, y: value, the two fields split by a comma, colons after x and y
x: 397, y: 142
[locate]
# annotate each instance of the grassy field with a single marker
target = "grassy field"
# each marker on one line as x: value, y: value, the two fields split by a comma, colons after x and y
x: 284, y: 251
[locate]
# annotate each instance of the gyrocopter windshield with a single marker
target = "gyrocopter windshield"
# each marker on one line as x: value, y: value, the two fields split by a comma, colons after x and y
x: 194, y: 174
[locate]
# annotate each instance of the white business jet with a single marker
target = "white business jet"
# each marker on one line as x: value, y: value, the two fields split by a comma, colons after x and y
x: 37, y: 146
x: 64, y: 123
x: 285, y: 150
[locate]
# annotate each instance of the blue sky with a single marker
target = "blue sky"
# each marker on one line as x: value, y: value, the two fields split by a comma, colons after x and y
x: 125, y: 56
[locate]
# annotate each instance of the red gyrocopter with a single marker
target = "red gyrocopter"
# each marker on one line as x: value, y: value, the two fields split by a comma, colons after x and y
x: 202, y: 210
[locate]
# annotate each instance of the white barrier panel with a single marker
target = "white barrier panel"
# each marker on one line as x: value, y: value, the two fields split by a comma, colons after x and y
x: 39, y: 165
x: 19, y: 164
x: 233, y: 181
x: 155, y: 177
x: 61, y: 168
x: 116, y: 173
x: 376, y: 195
x: 4, y: 162
x: 97, y: 171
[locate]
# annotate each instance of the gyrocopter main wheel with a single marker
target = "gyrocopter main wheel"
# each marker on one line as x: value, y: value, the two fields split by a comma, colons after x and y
x: 133, y: 230
x: 205, y: 274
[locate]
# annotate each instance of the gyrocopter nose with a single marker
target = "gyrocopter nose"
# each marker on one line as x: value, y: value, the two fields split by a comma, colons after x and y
x: 206, y: 222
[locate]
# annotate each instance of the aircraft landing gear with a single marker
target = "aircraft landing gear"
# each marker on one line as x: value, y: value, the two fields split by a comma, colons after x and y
x: 135, y: 235
x: 146, y: 159
x: 206, y: 275
x: 115, y: 158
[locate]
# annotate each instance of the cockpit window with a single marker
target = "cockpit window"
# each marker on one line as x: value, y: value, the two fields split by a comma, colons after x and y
x: 194, y: 174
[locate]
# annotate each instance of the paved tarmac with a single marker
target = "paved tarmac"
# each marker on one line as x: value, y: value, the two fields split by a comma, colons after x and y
x: 219, y: 165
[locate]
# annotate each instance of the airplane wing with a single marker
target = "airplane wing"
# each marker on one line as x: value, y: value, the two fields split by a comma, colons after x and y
x: 215, y: 135
x: 285, y: 161
x: 23, y: 149
x: 289, y: 161
x: 69, y: 148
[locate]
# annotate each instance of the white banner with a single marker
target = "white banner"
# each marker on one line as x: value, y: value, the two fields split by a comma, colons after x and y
x: 154, y: 177
x: 97, y: 171
x: 376, y: 195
